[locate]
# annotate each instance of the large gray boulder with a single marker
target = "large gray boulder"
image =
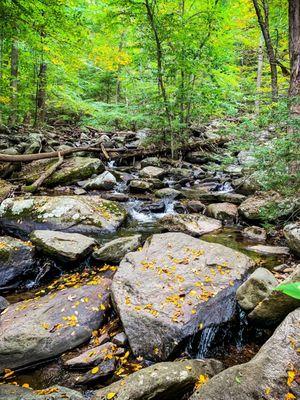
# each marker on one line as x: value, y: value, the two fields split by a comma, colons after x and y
x: 105, y: 181
x: 41, y: 328
x: 255, y: 233
x: 63, y: 246
x: 115, y: 250
x: 193, y: 224
x: 72, y: 170
x: 166, y: 380
x: 16, y: 259
x: 223, y: 211
x: 269, y: 375
x: 81, y: 214
x: 152, y: 172
x: 12, y: 392
x: 292, y: 235
x: 277, y: 305
x: 258, y: 286
x: 175, y: 283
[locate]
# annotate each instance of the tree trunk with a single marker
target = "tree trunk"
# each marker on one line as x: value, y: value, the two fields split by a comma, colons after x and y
x: 260, y: 62
x: 262, y: 13
x: 294, y: 43
x: 41, y: 95
x: 14, y: 69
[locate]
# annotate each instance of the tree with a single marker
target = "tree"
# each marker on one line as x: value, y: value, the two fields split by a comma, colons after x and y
x: 294, y: 45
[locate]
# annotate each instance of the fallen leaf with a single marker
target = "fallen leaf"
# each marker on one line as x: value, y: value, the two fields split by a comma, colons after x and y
x: 95, y: 370
x: 110, y: 395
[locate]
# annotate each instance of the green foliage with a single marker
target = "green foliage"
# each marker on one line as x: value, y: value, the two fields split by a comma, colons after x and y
x: 290, y: 289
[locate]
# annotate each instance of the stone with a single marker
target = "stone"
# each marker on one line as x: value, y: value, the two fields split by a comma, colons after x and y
x: 193, y: 224
x: 269, y: 250
x: 195, y: 206
x: 277, y: 305
x: 139, y: 186
x: 258, y: 286
x: 120, y: 339
x: 216, y: 197
x: 12, y: 392
x: 246, y: 158
x: 151, y: 161
x: 3, y: 304
x: 168, y: 192
x: 104, y: 371
x: 163, y: 292
x: 246, y: 185
x: 79, y: 191
x: 79, y: 214
x: 72, y: 170
x: 105, y: 181
x: 120, y: 197
x: 91, y: 357
x: 223, y: 211
x: 292, y: 235
x: 266, y: 375
x: 255, y: 233
x: 41, y: 328
x: 63, y: 246
x: 180, y: 173
x: 200, y: 157
x: 16, y: 260
x: 5, y: 189
x: 115, y: 250
x: 165, y: 380
x: 152, y: 172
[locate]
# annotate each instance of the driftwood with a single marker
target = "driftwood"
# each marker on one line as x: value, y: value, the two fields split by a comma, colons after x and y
x: 33, y: 188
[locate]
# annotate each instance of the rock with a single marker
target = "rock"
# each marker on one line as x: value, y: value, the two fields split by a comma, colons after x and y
x: 72, y: 170
x: 152, y: 172
x: 120, y: 339
x: 181, y: 173
x: 246, y: 185
x: 151, y: 161
x: 81, y: 214
x: 5, y: 189
x: 79, y: 191
x: 158, y: 207
x: 16, y: 259
x: 12, y: 392
x: 168, y: 192
x: 163, y: 292
x: 281, y: 268
x: 115, y: 250
x: 277, y: 305
x: 266, y: 375
x: 63, y: 246
x: 195, y: 206
x: 258, y: 286
x: 42, y: 328
x: 3, y: 304
x: 269, y: 250
x: 193, y: 224
x: 217, y: 197
x: 234, y: 170
x: 100, y: 372
x: 246, y: 158
x: 105, y: 181
x: 255, y: 233
x: 91, y: 357
x: 138, y: 186
x: 292, y: 234
x: 200, y: 157
x: 223, y: 211
x: 120, y: 197
x: 166, y: 380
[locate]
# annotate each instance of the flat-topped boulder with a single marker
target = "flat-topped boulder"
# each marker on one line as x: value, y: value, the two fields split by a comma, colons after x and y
x: 271, y: 374
x: 104, y: 181
x: 269, y: 250
x: 152, y: 172
x: 115, y: 250
x: 41, y: 328
x: 81, y: 214
x: 63, y: 246
x: 172, y: 287
x: 13, y: 392
x: 16, y: 259
x: 72, y: 170
x: 223, y: 211
x: 193, y: 224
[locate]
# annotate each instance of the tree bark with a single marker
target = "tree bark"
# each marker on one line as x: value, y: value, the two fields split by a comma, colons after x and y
x: 260, y: 62
x: 41, y: 95
x: 14, y: 70
x: 262, y: 13
x: 294, y: 44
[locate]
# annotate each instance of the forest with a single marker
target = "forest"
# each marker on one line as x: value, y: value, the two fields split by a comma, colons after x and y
x: 149, y: 199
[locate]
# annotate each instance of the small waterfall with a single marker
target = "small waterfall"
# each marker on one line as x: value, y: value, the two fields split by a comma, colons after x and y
x: 207, y: 337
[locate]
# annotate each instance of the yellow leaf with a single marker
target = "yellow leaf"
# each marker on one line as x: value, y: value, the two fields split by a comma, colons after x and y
x: 267, y: 390
x: 289, y: 396
x: 26, y: 385
x: 291, y: 377
x: 110, y: 395
x: 95, y: 370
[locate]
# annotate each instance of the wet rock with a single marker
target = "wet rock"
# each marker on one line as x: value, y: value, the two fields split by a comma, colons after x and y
x: 154, y: 207
x: 12, y: 392
x: 269, y: 250
x: 63, y: 246
x: 81, y: 214
x: 258, y: 286
x: 72, y: 170
x: 292, y: 234
x: 193, y: 224
x: 91, y: 357
x: 115, y: 250
x: 202, y: 195
x: 120, y: 197
x: 255, y: 233
x: 246, y: 185
x: 5, y: 189
x: 138, y: 186
x: 180, y: 173
x: 277, y: 305
x: 3, y: 304
x: 98, y: 373
x: 152, y: 172
x: 151, y: 161
x: 200, y: 157
x: 195, y: 206
x: 223, y: 211
x: 266, y: 375
x: 105, y: 181
x: 79, y: 191
x: 120, y: 339
x: 41, y: 328
x: 166, y: 380
x: 163, y: 292
x: 16, y: 259
x: 168, y: 192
